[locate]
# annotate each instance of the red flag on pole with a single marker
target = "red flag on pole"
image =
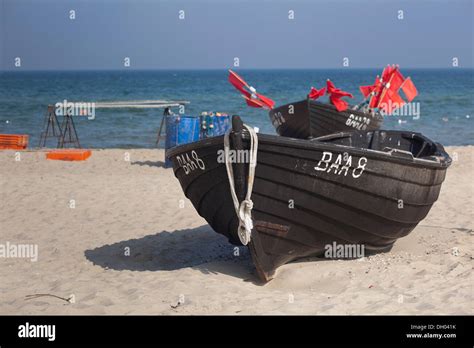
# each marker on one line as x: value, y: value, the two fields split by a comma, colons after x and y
x: 340, y: 104
x: 265, y: 100
x: 408, y: 87
x: 385, y: 90
x: 315, y: 94
x: 386, y: 73
x: 251, y: 96
x: 335, y: 95
x: 254, y: 103
x: 391, y: 101
x: 396, y: 80
x: 383, y: 81
x: 376, y: 92
x: 238, y: 83
x: 330, y: 86
x: 366, y: 90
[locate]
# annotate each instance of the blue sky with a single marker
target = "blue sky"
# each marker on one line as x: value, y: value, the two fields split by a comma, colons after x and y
x: 213, y: 32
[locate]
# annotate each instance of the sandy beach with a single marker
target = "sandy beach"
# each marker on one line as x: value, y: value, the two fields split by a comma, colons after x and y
x: 117, y: 233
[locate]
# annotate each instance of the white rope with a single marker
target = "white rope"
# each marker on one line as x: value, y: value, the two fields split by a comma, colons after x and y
x: 244, y: 209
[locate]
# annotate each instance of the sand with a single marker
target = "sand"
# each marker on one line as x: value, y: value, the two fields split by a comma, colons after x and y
x: 130, y: 243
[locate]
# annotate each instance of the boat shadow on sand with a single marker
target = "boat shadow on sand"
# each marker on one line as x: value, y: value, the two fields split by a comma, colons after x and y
x: 199, y: 248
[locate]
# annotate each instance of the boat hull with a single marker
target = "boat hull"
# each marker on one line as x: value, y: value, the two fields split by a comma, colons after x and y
x: 311, y: 119
x: 309, y: 194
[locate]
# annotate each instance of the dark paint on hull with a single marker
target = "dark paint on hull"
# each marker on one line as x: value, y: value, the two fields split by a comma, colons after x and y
x: 299, y: 210
x: 312, y: 119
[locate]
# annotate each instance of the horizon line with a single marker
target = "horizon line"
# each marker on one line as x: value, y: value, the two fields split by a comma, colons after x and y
x: 222, y: 69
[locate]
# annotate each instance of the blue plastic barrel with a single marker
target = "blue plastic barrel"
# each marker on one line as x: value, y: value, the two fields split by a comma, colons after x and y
x: 212, y: 126
x: 180, y: 130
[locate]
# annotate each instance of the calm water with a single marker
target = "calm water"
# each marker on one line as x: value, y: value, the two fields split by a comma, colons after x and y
x: 445, y: 97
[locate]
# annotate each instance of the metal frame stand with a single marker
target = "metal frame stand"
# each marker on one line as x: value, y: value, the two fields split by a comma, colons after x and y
x: 69, y: 134
x: 161, y: 135
x: 51, y: 125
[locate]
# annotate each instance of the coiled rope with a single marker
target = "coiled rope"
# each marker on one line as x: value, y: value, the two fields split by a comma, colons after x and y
x: 244, y: 208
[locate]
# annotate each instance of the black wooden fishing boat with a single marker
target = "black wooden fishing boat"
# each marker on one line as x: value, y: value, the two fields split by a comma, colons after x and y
x: 311, y: 119
x: 366, y: 188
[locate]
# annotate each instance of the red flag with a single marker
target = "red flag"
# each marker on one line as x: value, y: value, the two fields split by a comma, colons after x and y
x: 266, y: 101
x: 386, y: 73
x: 253, y: 98
x: 254, y: 103
x: 340, y: 104
x: 408, y: 87
x: 397, y: 100
x: 366, y: 90
x: 330, y: 86
x: 390, y: 82
x: 384, y: 79
x: 335, y: 95
x: 238, y: 83
x: 331, y: 89
x: 377, y: 88
x: 315, y: 94
x: 391, y: 101
x: 396, y: 80
x: 386, y: 90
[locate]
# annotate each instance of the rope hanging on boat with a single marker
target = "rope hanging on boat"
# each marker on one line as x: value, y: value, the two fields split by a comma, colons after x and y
x: 244, y: 208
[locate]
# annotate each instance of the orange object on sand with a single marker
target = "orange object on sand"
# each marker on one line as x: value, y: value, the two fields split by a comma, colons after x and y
x: 69, y: 154
x: 13, y: 141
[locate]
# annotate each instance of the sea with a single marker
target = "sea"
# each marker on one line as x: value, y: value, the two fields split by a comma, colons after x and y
x: 446, y: 106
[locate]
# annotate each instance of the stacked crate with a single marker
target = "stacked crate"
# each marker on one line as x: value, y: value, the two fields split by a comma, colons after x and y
x: 13, y: 141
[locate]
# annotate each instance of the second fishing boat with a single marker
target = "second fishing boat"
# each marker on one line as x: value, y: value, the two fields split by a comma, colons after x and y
x: 311, y: 118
